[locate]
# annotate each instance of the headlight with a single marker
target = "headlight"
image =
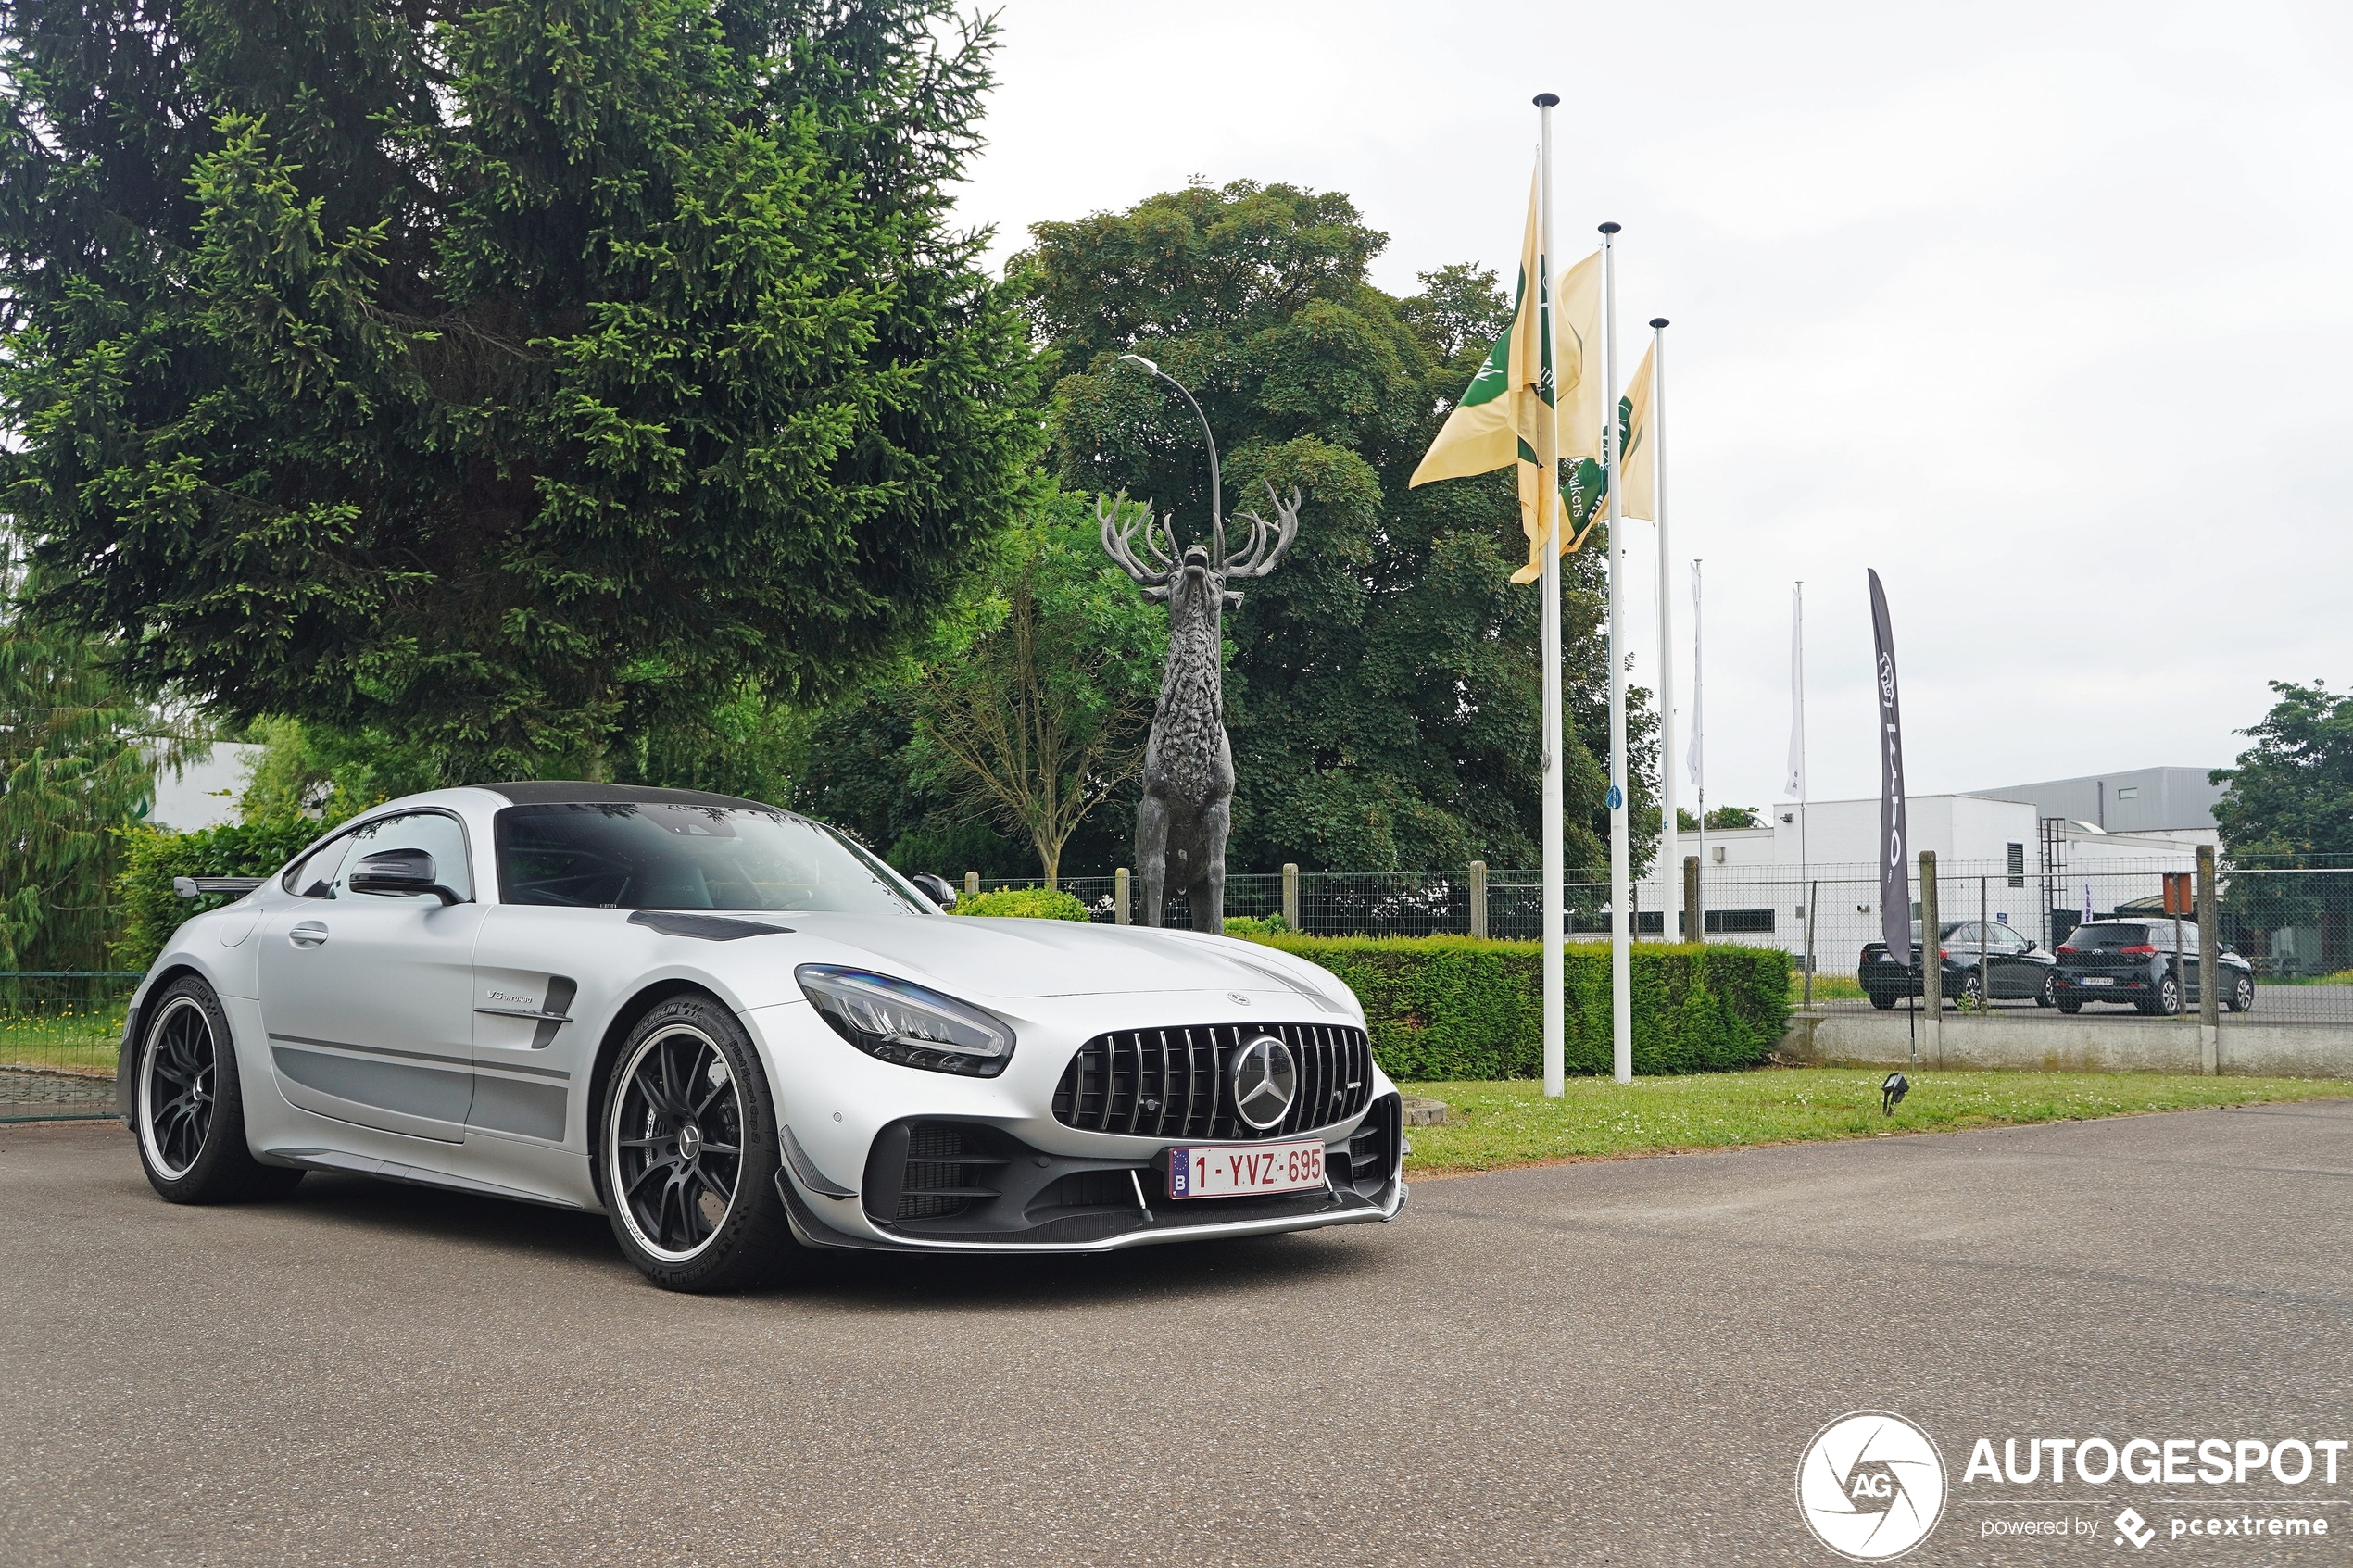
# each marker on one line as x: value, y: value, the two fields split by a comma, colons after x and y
x: 906, y: 1024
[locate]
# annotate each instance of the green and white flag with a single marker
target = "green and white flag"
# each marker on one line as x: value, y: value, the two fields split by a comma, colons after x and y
x: 1496, y: 423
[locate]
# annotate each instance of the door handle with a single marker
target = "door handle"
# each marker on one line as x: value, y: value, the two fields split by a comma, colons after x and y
x: 309, y: 933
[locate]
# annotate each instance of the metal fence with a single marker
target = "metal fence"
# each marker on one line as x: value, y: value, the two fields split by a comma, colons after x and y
x: 2293, y: 922
x: 60, y: 1031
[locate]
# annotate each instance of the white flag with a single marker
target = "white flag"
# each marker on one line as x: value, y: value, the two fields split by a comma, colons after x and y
x: 1699, y: 778
x: 1795, y: 789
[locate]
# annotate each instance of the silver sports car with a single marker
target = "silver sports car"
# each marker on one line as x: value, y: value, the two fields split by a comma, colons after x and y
x: 743, y: 1038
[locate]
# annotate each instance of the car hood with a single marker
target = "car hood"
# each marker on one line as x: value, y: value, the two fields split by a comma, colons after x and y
x: 971, y: 955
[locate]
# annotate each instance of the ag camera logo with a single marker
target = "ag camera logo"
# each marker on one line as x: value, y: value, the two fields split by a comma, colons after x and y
x: 1870, y: 1486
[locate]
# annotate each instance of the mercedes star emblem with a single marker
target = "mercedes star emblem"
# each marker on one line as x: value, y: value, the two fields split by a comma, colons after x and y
x: 1265, y: 1081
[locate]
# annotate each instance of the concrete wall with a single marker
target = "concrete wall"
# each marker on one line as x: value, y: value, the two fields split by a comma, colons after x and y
x: 2072, y: 1044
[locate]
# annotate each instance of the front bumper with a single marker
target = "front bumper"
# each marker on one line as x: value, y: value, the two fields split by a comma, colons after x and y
x: 1007, y: 1195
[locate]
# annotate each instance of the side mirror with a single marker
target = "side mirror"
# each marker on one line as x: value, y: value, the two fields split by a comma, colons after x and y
x: 935, y: 888
x: 2030, y: 947
x: 402, y: 873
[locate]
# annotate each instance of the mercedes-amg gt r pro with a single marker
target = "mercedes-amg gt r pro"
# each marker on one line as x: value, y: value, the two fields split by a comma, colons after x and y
x: 743, y: 1038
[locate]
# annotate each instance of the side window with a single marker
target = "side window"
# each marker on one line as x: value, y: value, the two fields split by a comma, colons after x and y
x: 437, y: 836
x: 313, y: 876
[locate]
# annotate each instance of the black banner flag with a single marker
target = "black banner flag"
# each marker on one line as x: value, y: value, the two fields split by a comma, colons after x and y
x: 1894, y: 879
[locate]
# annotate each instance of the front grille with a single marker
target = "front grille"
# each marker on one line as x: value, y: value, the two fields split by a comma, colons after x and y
x: 1176, y: 1083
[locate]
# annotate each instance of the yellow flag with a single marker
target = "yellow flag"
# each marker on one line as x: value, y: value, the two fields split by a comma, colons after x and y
x: 1501, y: 418
x: 1637, y: 474
x: 1495, y: 419
x: 1576, y: 332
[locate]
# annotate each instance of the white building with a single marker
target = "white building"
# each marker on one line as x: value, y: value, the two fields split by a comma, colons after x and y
x: 203, y: 794
x: 1995, y: 857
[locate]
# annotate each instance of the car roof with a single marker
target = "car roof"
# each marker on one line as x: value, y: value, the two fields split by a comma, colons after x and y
x: 550, y: 792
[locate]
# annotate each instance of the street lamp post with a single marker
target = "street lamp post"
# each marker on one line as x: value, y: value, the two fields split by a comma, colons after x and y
x: 1217, y: 511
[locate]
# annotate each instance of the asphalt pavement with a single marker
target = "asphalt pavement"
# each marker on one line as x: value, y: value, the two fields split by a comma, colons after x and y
x: 1601, y: 1363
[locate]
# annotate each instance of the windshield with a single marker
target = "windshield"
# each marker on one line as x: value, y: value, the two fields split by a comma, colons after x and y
x: 644, y: 856
x: 2108, y: 937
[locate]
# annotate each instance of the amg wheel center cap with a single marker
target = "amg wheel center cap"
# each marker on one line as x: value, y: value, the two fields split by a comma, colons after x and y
x: 689, y: 1141
x: 1266, y: 1081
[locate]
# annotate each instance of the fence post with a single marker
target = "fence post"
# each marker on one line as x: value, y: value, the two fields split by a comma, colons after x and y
x: 1694, y: 922
x: 2209, y: 967
x: 1813, y: 897
x: 971, y: 884
x: 1119, y: 896
x: 1479, y: 898
x: 1290, y: 896
x: 1932, y: 961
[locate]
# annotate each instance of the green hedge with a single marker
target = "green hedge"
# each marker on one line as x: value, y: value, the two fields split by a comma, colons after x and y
x: 151, y: 858
x: 1030, y: 903
x: 1451, y: 1008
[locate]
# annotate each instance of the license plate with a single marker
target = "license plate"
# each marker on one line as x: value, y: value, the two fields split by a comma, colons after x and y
x: 2098, y: 980
x: 1245, y: 1170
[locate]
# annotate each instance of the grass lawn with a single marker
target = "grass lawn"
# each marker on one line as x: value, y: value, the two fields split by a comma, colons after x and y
x: 1827, y: 988
x: 74, y: 1042
x: 1492, y: 1126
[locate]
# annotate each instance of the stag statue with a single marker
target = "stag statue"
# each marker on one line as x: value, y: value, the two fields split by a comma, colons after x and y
x: 1188, y: 764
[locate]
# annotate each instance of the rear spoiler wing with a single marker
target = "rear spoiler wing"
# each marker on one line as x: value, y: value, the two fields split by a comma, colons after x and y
x: 199, y: 887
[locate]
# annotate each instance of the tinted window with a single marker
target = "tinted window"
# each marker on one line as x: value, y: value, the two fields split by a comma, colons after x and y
x: 2107, y: 937
x: 665, y: 857
x: 437, y: 836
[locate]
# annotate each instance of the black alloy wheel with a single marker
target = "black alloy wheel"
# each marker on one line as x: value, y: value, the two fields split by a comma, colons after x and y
x: 689, y: 1150
x: 2242, y: 993
x: 179, y: 1086
x: 679, y: 1152
x: 2070, y: 1004
x: 189, y: 1107
x: 2168, y: 1000
x: 1972, y: 998
x: 2048, y: 995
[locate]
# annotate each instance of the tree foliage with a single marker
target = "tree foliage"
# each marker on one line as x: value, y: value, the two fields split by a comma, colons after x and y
x: 2289, y: 804
x: 506, y: 378
x: 1042, y: 716
x: 1384, y: 692
x: 76, y: 766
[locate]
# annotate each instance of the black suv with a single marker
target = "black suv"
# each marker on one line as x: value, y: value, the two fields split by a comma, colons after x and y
x: 2131, y: 960
x: 2019, y: 969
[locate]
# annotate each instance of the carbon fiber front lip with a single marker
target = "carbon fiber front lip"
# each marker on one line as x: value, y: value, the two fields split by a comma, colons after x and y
x: 813, y: 1231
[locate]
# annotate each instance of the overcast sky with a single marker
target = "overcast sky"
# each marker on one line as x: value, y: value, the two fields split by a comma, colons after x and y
x: 2040, y: 309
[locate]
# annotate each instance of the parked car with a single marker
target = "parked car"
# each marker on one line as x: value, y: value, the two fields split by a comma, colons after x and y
x: 744, y: 1040
x: 2130, y: 961
x: 1973, y: 953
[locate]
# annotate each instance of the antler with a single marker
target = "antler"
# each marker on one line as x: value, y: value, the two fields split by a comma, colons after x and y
x: 1119, y: 543
x: 1254, y: 560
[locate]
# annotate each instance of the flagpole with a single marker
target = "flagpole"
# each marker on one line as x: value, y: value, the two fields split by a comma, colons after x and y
x: 1672, y: 872
x: 1696, y: 749
x: 1797, y: 697
x: 1621, y: 916
x: 1548, y: 523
